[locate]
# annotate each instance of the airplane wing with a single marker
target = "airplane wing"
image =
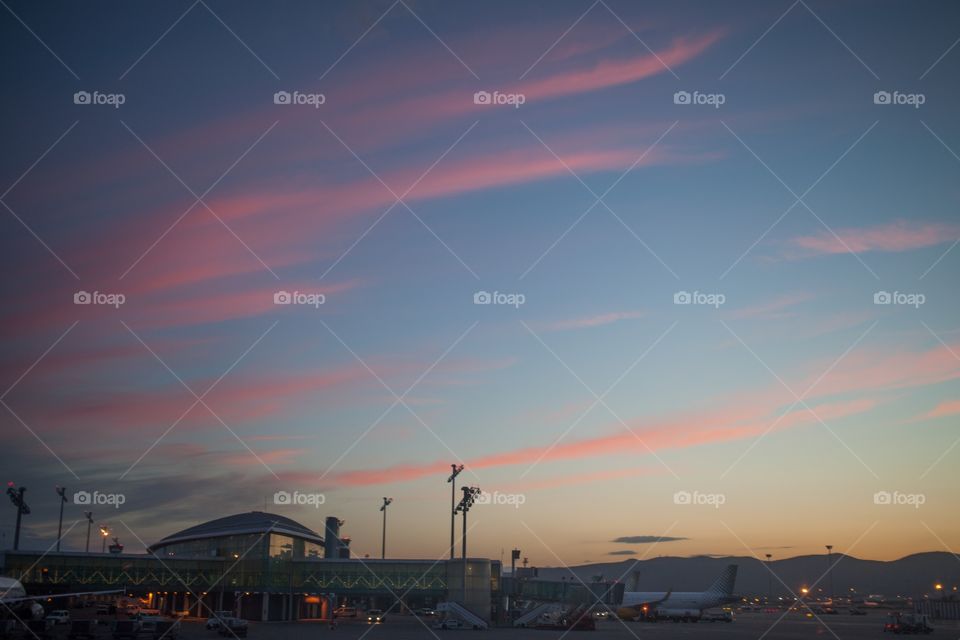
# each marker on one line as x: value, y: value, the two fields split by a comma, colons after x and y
x: 58, y: 595
x: 629, y: 610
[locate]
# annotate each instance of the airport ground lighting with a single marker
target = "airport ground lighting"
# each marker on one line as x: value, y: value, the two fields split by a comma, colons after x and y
x: 62, y: 492
x: 455, y: 470
x: 383, y: 541
x: 16, y: 497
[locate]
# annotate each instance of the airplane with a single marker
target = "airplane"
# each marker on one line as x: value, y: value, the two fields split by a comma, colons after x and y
x: 680, y: 605
x: 13, y: 597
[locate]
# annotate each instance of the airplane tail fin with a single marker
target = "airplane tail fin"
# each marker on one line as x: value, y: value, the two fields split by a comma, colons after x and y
x: 724, y: 584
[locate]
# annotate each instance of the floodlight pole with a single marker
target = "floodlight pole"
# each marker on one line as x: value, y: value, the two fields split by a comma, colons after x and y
x: 454, y: 472
x: 830, y: 570
x: 769, y: 580
x: 16, y: 497
x: 89, y: 516
x: 469, y: 496
x: 61, y: 491
x: 383, y: 543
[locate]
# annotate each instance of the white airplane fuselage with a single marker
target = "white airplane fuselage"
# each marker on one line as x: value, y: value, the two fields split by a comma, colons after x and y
x: 683, y: 605
x: 676, y: 600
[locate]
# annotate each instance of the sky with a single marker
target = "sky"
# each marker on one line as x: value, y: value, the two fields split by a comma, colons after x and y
x: 667, y: 278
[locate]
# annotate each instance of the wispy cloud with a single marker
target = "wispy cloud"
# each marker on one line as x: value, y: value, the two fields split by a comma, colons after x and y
x: 595, y: 321
x: 901, y: 235
x: 772, y: 309
x: 610, y: 73
x: 942, y: 410
x: 647, y: 539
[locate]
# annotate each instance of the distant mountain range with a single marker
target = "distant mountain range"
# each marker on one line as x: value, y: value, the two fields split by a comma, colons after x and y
x: 909, y: 576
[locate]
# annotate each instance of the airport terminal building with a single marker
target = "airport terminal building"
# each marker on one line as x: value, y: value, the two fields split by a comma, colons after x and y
x: 267, y: 567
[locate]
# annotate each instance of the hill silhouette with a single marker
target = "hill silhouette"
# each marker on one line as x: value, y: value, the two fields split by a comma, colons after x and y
x: 912, y: 575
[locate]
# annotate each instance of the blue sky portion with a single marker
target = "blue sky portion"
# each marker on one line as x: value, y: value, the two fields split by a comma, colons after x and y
x: 199, y: 198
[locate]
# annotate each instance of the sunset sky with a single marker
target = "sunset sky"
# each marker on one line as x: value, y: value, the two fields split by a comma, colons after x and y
x: 786, y: 199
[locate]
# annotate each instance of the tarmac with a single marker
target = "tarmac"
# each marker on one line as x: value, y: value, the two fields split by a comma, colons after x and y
x: 746, y: 626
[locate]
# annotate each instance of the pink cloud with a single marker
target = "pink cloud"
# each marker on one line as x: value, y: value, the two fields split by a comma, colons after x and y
x: 878, y: 371
x: 596, y: 321
x: 376, y: 107
x: 896, y: 236
x: 578, y: 479
x: 774, y: 308
x: 237, y: 399
x: 867, y: 371
x: 942, y: 410
x: 680, y: 432
x: 611, y: 73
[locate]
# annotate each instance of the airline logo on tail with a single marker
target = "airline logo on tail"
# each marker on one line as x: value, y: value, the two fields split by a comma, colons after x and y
x: 724, y: 584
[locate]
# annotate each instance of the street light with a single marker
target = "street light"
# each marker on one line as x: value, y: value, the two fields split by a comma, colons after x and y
x: 89, y: 516
x: 104, y: 532
x: 455, y: 470
x: 16, y: 497
x: 769, y: 580
x: 830, y: 570
x: 383, y: 544
x: 470, y: 495
x: 62, y: 492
